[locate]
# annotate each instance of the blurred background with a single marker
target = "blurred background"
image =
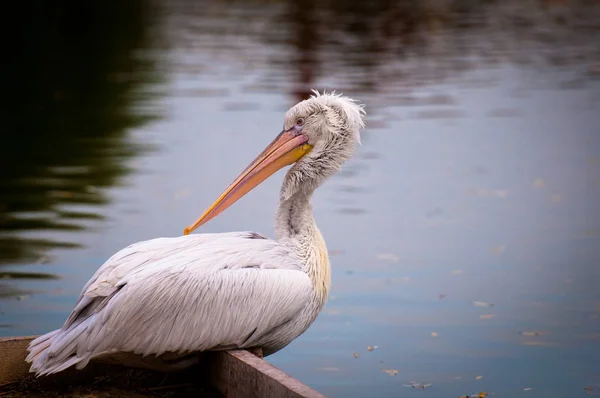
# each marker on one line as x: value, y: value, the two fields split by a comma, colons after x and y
x: 464, y: 235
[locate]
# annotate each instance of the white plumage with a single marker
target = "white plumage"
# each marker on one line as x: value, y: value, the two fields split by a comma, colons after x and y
x: 168, y: 298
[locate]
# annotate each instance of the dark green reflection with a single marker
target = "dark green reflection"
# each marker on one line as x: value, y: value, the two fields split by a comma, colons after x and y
x: 25, y: 275
x: 75, y: 81
x: 424, y: 42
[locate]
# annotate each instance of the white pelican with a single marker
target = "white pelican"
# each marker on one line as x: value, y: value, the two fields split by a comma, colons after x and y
x: 167, y: 299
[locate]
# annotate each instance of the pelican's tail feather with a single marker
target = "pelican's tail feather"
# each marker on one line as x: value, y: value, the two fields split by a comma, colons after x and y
x: 52, y: 353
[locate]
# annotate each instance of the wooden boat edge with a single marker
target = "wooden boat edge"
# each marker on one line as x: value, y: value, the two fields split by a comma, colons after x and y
x: 233, y: 373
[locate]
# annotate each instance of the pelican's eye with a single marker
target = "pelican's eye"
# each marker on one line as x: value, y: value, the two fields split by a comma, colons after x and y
x: 300, y: 121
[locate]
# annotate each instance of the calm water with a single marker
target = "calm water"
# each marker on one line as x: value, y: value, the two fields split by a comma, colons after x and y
x: 464, y: 235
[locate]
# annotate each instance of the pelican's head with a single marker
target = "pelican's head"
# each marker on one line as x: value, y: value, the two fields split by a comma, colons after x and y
x: 319, y: 135
x: 331, y: 123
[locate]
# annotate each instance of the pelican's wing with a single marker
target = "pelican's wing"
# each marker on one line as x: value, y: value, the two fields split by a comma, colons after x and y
x: 179, y: 295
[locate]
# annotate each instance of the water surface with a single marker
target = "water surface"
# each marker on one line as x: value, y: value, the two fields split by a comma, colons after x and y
x: 464, y: 235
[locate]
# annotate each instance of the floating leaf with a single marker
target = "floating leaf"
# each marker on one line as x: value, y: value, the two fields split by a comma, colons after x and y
x: 441, y: 296
x: 371, y: 348
x: 458, y: 272
x: 592, y: 390
x: 486, y: 316
x: 482, y: 304
x: 538, y: 343
x: 539, y: 183
x: 388, y: 257
x: 498, y: 250
x: 483, y: 192
x: 434, y: 334
x: 43, y: 260
x: 355, y: 354
x: 414, y: 384
x: 556, y: 198
x: 479, y: 378
x: 181, y: 193
x: 391, y: 372
x: 530, y: 334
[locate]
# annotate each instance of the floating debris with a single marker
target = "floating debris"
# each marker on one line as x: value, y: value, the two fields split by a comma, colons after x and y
x: 479, y: 378
x: 482, y: 304
x: 592, y: 390
x: 538, y: 343
x: 435, y: 212
x: 371, y: 348
x: 483, y: 192
x: 388, y: 257
x: 43, y: 260
x: 355, y: 354
x: 181, y: 194
x: 498, y: 250
x: 441, y: 296
x: 434, y: 334
x: 527, y: 389
x: 539, y: 183
x: 482, y: 394
x: 486, y: 316
x: 458, y: 272
x: 414, y: 384
x: 530, y: 334
x: 391, y: 372
x: 556, y: 198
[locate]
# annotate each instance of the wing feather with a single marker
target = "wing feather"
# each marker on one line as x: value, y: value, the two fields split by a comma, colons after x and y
x: 180, y: 295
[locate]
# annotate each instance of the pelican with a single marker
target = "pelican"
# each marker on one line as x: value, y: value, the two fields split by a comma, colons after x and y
x: 167, y: 300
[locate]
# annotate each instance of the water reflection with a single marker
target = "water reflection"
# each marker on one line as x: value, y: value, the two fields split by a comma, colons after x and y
x: 468, y: 187
x: 74, y: 87
x: 392, y: 46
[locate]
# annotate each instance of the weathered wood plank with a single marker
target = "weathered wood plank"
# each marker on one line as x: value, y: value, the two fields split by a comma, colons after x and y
x: 235, y: 374
x: 238, y: 373
x: 13, y: 351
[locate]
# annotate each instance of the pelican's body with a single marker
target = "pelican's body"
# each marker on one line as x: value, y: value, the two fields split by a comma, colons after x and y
x: 170, y: 298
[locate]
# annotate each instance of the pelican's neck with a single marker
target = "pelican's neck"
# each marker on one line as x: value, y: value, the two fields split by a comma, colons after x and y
x: 295, y: 227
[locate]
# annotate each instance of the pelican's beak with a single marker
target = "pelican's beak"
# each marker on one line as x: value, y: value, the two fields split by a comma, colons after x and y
x: 286, y: 149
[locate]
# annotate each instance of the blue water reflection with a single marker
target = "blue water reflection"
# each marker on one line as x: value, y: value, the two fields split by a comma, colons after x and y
x: 464, y: 235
